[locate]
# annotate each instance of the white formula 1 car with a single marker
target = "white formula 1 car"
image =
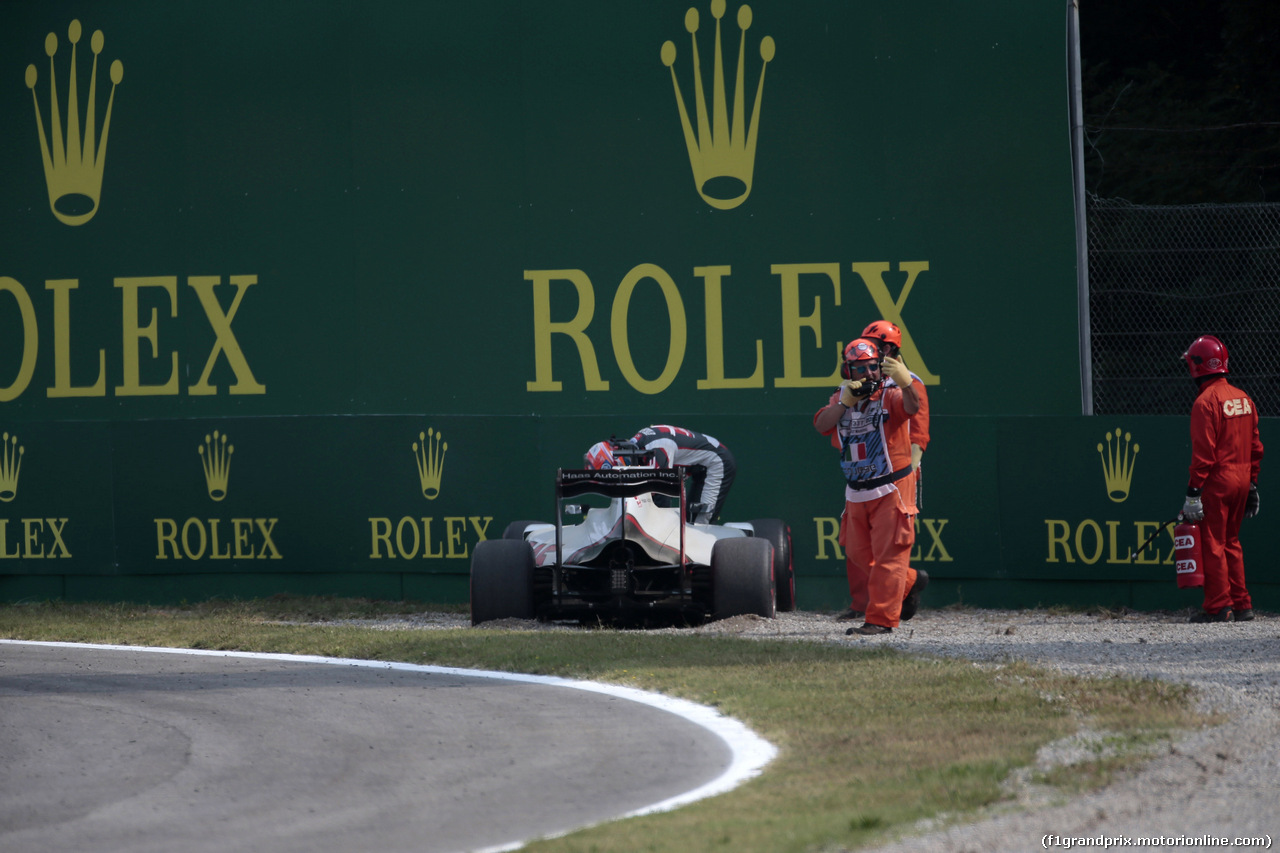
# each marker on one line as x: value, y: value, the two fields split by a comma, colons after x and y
x: 620, y: 551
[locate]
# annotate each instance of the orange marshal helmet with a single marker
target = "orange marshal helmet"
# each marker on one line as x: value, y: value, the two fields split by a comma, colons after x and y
x: 862, y: 349
x: 883, y: 330
x: 859, y: 349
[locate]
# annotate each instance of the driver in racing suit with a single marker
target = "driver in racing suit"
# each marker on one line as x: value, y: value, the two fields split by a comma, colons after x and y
x: 708, y: 463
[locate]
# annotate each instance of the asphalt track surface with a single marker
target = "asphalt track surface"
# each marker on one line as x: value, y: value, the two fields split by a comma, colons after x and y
x: 126, y: 749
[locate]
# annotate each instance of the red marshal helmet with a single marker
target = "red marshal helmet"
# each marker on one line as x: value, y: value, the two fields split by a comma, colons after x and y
x: 1206, y: 356
x: 883, y: 330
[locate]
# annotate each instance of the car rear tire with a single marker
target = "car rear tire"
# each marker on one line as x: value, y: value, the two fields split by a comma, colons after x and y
x: 778, y: 534
x: 501, y: 581
x: 742, y: 578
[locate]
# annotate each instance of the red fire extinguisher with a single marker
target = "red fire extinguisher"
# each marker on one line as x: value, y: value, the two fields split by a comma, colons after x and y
x: 1186, y: 555
x: 1188, y: 568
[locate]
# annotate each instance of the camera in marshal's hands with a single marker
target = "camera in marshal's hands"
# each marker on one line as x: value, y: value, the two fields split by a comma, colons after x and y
x: 864, y: 387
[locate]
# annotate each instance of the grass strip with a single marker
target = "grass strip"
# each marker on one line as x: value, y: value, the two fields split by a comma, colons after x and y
x: 871, y: 740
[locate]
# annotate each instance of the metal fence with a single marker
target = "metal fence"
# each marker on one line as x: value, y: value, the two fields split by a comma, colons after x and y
x: 1160, y: 276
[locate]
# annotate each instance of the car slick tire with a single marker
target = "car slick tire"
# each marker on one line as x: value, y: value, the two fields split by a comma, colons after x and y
x: 501, y: 581
x: 742, y: 578
x: 776, y: 533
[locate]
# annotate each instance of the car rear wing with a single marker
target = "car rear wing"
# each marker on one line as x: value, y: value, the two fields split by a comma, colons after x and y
x: 620, y: 482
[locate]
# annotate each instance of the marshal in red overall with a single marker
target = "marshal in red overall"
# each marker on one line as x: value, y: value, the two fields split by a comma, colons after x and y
x: 1222, y: 489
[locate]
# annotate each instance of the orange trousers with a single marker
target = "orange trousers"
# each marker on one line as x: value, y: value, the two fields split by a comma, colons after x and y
x: 877, y: 537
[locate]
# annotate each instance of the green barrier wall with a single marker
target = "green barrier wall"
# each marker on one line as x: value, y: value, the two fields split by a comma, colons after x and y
x: 329, y: 232
x: 1016, y: 510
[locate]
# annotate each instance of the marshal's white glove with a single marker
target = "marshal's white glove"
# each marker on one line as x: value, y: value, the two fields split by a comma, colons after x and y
x: 1193, y: 509
x: 897, y: 371
x: 916, y: 454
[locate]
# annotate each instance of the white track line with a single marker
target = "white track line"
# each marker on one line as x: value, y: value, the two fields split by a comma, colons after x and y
x: 750, y: 751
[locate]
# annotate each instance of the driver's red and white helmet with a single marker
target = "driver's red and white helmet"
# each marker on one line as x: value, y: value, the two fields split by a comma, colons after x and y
x: 600, y: 456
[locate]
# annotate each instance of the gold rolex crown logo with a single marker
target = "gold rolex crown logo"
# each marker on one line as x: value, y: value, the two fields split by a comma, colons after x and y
x: 215, y: 457
x: 1117, y: 465
x: 429, y: 452
x: 10, y: 467
x: 73, y: 165
x: 723, y: 156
